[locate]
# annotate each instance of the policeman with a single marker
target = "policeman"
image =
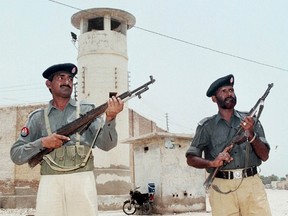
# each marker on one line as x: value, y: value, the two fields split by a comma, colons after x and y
x: 237, y: 188
x: 67, y: 184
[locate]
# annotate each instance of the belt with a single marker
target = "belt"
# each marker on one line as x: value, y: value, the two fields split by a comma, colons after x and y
x: 237, y: 174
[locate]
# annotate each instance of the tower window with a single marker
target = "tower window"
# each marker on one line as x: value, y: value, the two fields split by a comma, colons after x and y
x: 96, y: 24
x: 115, y: 25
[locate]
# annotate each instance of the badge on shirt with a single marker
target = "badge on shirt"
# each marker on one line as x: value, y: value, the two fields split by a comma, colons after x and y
x: 24, y: 132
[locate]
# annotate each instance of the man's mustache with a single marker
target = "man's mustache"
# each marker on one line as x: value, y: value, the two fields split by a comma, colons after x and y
x: 230, y: 98
x: 66, y: 86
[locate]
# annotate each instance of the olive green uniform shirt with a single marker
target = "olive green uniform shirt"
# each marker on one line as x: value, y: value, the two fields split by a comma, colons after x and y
x: 29, y: 144
x: 214, y: 133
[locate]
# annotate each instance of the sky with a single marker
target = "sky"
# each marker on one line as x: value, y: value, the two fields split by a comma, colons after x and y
x: 184, y: 45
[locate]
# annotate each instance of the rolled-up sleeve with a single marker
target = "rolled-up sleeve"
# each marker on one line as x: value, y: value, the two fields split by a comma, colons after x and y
x: 199, y: 142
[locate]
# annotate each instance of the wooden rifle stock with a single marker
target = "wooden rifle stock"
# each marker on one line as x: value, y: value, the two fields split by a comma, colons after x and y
x: 82, y: 123
x: 258, y: 107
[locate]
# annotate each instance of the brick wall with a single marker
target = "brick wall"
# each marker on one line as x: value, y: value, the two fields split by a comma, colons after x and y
x: 139, y: 125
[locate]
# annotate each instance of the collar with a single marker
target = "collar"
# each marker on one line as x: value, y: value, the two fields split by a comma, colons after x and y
x: 219, y: 117
x: 71, y: 102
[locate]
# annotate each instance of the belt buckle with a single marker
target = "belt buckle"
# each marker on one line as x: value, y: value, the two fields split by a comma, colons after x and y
x: 237, y: 174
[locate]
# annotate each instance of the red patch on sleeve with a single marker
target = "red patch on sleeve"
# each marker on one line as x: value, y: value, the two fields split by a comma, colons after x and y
x: 24, y: 132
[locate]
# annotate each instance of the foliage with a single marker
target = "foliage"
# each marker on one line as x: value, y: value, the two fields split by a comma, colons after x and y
x: 269, y: 179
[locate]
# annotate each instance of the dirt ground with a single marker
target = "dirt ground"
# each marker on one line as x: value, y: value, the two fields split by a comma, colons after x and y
x: 278, y: 200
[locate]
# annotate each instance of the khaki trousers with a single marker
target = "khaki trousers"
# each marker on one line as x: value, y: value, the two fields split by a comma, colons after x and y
x: 67, y: 195
x: 249, y: 199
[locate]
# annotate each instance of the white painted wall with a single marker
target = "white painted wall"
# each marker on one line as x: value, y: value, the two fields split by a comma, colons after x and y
x: 179, y: 188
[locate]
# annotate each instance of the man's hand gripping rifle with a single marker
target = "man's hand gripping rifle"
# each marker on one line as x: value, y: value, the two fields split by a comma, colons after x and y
x: 82, y: 123
x: 254, y: 112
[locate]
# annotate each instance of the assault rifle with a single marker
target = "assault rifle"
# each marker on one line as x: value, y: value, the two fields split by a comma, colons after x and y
x: 257, y: 109
x: 82, y: 123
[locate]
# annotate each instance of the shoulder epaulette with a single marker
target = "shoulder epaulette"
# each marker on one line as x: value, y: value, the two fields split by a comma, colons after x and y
x: 35, y: 111
x: 203, y: 121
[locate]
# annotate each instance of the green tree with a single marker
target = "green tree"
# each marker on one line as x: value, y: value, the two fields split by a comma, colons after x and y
x: 269, y: 179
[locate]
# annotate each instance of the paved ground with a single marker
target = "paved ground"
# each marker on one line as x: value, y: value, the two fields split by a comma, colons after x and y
x: 31, y: 212
x: 278, y: 200
x: 118, y: 213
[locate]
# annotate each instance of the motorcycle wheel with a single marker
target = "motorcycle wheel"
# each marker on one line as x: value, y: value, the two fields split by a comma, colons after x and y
x: 146, y: 208
x: 129, y: 208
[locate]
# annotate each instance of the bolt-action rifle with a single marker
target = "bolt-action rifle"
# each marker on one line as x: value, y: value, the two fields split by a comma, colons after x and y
x: 257, y: 109
x: 82, y: 123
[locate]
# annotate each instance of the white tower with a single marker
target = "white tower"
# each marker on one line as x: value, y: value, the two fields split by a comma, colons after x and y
x: 103, y: 69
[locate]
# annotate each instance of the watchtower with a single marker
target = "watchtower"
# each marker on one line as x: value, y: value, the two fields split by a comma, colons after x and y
x: 103, y: 71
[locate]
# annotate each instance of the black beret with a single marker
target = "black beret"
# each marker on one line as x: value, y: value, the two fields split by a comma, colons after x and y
x: 67, y: 67
x: 223, y: 81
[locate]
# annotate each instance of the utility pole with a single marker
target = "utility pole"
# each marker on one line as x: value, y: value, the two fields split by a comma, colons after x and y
x: 167, y: 122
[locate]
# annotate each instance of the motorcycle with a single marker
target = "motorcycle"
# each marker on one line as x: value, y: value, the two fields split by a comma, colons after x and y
x: 138, y: 201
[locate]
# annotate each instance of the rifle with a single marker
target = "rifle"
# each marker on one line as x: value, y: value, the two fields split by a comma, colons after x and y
x: 256, y: 109
x: 82, y: 123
